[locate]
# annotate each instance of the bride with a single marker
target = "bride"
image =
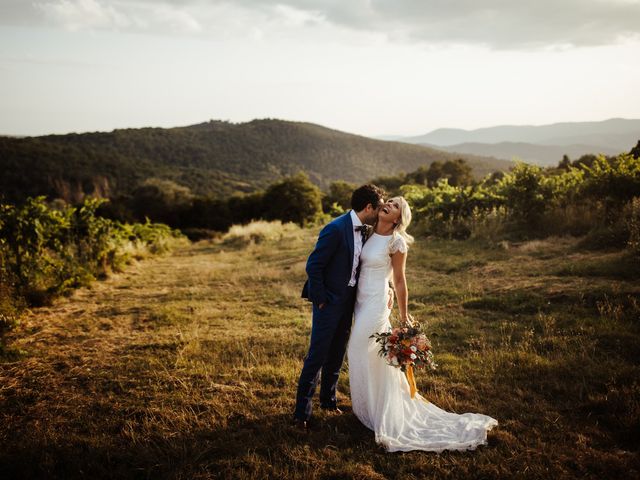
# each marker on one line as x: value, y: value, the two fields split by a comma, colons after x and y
x: 380, y: 394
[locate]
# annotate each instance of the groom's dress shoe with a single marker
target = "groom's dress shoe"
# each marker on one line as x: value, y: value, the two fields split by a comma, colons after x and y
x: 301, y: 425
x: 333, y: 410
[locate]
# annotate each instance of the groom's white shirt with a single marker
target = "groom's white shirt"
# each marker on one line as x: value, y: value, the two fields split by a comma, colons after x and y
x: 357, y: 247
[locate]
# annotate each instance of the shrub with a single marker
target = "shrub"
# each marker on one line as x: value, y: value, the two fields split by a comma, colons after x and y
x: 48, y: 250
x: 588, y: 197
x: 33, y: 237
x: 258, y: 232
x: 294, y: 199
x: 613, y: 181
x: 339, y: 197
x: 525, y: 196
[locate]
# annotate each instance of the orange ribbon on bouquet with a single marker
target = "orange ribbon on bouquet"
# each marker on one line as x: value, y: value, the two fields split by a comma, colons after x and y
x: 412, y: 381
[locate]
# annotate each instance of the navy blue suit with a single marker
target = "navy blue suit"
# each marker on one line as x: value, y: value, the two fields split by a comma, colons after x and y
x: 329, y: 269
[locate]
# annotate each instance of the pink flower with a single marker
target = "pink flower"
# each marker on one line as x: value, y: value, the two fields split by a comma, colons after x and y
x: 422, y: 343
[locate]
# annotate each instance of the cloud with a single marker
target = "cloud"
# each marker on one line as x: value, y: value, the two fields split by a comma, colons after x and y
x: 176, y: 20
x: 495, y: 23
x: 74, y: 15
x: 499, y: 24
x: 80, y: 14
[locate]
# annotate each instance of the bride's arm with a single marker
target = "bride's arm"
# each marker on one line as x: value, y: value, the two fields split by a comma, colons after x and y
x: 398, y: 262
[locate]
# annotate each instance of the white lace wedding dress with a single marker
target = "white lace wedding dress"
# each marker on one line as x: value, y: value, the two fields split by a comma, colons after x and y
x: 380, y: 393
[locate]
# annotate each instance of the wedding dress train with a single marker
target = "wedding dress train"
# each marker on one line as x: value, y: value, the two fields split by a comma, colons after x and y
x: 380, y: 394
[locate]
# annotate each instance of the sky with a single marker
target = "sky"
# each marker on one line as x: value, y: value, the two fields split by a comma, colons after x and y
x: 371, y: 67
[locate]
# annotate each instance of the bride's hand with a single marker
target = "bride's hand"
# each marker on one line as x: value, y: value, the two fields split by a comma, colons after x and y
x: 407, y: 320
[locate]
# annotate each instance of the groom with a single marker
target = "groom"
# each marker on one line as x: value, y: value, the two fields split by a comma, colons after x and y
x: 332, y: 270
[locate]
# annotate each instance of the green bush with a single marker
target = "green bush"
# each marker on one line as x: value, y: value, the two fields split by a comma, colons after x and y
x: 526, y: 196
x: 49, y: 249
x: 589, y: 197
x: 614, y: 181
x: 339, y: 197
x: 34, y: 238
x: 294, y: 199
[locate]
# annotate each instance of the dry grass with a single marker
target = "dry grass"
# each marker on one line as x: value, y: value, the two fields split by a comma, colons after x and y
x: 260, y: 231
x: 185, y: 366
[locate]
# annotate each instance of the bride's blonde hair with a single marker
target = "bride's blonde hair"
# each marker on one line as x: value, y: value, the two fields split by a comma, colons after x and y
x: 404, y: 220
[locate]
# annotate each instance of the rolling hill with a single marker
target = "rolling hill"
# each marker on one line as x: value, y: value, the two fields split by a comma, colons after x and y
x: 529, y: 152
x: 542, y: 144
x: 213, y: 158
x: 616, y: 133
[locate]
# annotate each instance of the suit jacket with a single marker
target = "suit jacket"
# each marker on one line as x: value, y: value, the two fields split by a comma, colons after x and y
x: 330, y: 263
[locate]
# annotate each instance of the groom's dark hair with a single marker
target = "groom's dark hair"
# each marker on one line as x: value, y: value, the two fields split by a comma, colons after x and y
x: 364, y: 195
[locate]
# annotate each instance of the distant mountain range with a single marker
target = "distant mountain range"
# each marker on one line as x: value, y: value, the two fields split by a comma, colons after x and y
x: 214, y: 158
x: 531, y: 153
x: 543, y: 144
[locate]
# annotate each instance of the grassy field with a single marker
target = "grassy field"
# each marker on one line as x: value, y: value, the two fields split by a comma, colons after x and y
x: 185, y: 366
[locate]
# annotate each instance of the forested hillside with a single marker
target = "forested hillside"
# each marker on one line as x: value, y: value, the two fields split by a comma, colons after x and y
x: 213, y: 159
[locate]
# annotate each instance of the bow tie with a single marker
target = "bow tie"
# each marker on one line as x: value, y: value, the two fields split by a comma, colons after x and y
x: 364, y: 231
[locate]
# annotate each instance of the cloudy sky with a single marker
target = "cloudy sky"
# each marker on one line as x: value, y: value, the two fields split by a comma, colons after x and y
x: 364, y: 66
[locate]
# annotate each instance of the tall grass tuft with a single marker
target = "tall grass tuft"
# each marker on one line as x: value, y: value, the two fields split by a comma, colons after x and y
x: 259, y: 231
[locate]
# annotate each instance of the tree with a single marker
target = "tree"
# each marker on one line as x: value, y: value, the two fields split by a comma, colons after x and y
x: 419, y: 176
x: 493, y: 178
x: 434, y: 173
x: 565, y: 163
x: 586, y: 159
x: 525, y: 195
x: 161, y: 200
x: 294, y: 199
x: 210, y: 213
x: 613, y: 181
x: 339, y: 193
x: 391, y: 184
x: 245, y: 208
x: 458, y: 172
x: 635, y: 151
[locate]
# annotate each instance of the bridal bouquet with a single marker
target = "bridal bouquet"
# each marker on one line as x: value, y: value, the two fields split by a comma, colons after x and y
x: 406, y: 348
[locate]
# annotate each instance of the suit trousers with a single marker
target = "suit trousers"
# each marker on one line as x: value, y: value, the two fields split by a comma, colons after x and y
x: 330, y: 330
